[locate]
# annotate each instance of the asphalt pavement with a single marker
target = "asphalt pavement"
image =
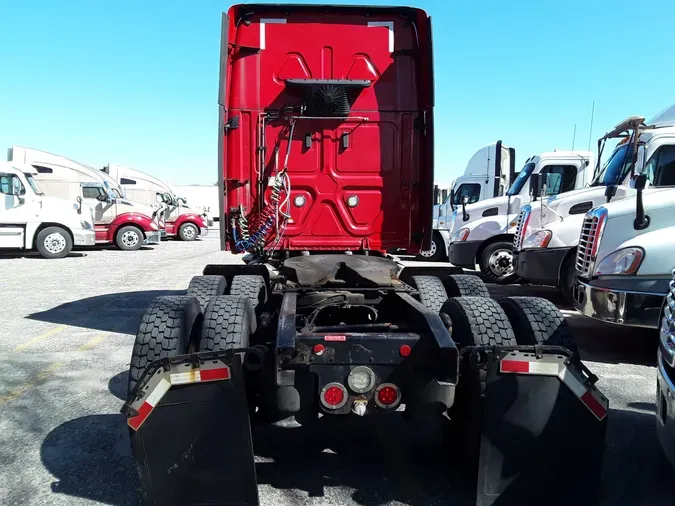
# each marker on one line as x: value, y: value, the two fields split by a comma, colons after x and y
x: 66, y: 332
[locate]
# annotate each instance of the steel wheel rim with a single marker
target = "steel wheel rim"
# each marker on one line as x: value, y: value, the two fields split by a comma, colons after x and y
x: 431, y: 252
x: 501, y: 262
x: 130, y: 238
x: 189, y: 231
x: 55, y: 243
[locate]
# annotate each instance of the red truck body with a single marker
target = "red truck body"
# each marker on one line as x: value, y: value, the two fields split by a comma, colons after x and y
x: 380, y: 153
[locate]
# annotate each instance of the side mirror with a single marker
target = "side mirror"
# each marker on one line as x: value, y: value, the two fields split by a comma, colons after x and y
x: 610, y: 191
x: 79, y: 204
x: 465, y: 201
x: 452, y: 199
x: 535, y: 189
x: 101, y: 197
x: 640, y: 182
x: 436, y: 194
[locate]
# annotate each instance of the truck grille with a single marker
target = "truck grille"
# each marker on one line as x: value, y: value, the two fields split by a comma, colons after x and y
x: 668, y: 322
x: 519, y: 236
x: 591, y: 230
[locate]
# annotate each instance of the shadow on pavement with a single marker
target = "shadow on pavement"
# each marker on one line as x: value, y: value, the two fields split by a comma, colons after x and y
x: 115, y: 312
x: 118, y: 385
x: 90, y: 457
x: 635, y: 470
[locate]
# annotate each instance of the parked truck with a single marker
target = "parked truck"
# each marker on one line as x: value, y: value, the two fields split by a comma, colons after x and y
x: 488, y: 174
x: 482, y: 233
x: 202, y: 197
x: 180, y: 220
x: 321, y: 321
x: 117, y: 221
x: 547, y: 233
x: 30, y: 220
x: 665, y: 376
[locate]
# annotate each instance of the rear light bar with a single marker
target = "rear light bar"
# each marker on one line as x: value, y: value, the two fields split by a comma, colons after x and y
x: 334, y: 396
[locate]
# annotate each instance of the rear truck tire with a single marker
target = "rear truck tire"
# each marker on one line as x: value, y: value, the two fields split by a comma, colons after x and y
x: 129, y: 238
x: 54, y: 242
x: 168, y: 328
x: 188, y: 232
x: 228, y: 323
x: 496, y: 262
x: 567, y: 274
x: 538, y: 321
x: 436, y: 252
x: 251, y: 286
x: 476, y: 321
x: 204, y: 288
x: 431, y: 290
x: 465, y: 285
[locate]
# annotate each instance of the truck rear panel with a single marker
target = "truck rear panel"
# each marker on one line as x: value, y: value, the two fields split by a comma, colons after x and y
x: 376, y: 148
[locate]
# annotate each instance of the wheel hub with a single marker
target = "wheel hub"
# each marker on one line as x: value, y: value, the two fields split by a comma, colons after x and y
x: 55, y: 243
x: 189, y: 232
x: 130, y: 239
x: 431, y: 251
x: 501, y: 262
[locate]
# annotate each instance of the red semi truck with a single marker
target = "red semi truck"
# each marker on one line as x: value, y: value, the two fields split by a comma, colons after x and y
x: 326, y: 161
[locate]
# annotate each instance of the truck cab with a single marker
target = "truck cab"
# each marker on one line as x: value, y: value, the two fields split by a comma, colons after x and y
x: 547, y: 235
x: 117, y: 221
x: 180, y: 220
x: 31, y: 220
x: 482, y: 233
x: 624, y: 258
x: 487, y: 175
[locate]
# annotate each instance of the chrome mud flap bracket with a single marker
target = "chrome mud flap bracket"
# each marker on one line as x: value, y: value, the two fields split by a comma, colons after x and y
x: 190, y: 432
x: 542, y: 425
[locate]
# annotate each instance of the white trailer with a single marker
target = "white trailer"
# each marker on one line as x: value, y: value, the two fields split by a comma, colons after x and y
x: 30, y: 220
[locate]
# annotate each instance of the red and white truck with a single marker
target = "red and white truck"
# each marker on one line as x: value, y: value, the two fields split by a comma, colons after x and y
x: 129, y: 225
x: 180, y: 220
x: 326, y: 161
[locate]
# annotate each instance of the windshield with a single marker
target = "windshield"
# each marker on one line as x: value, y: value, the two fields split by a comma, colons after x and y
x: 617, y: 167
x: 33, y: 184
x: 520, y: 181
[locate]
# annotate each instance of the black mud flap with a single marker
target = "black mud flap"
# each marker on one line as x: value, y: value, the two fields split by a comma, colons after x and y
x: 190, y: 432
x: 537, y: 424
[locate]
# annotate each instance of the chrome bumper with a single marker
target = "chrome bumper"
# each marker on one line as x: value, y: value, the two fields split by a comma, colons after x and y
x: 203, y: 231
x: 635, y: 309
x: 665, y: 410
x: 154, y: 237
x: 84, y: 238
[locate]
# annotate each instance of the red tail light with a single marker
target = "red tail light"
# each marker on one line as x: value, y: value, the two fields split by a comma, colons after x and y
x: 387, y: 395
x: 334, y: 396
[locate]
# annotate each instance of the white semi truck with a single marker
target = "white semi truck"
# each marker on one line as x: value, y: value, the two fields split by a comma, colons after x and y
x: 482, y: 233
x: 180, y: 220
x: 488, y: 174
x: 117, y: 221
x: 30, y: 220
x: 547, y: 236
x: 665, y: 377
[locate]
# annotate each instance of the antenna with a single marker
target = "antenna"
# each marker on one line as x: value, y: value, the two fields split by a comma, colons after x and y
x: 590, y: 132
x: 574, y: 136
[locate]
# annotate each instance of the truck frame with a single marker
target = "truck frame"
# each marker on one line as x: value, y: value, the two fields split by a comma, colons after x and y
x: 321, y: 322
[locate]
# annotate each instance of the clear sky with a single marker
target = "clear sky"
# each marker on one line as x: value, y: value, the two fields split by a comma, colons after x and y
x: 135, y: 82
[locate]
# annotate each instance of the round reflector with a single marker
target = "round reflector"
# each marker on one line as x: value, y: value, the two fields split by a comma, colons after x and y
x: 387, y: 395
x: 318, y: 349
x: 405, y: 350
x: 361, y: 379
x: 333, y: 396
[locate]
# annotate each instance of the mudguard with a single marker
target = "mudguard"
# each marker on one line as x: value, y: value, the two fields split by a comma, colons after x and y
x: 141, y: 220
x: 542, y: 426
x: 194, y: 218
x: 191, y: 434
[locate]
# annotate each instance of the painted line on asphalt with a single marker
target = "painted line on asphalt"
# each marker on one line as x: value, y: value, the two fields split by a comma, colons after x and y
x: 39, y: 338
x: 44, y: 375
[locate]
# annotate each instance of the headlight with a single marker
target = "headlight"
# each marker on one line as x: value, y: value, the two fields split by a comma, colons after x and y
x: 539, y: 239
x: 621, y: 262
x: 153, y: 225
x: 460, y: 235
x: 85, y: 225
